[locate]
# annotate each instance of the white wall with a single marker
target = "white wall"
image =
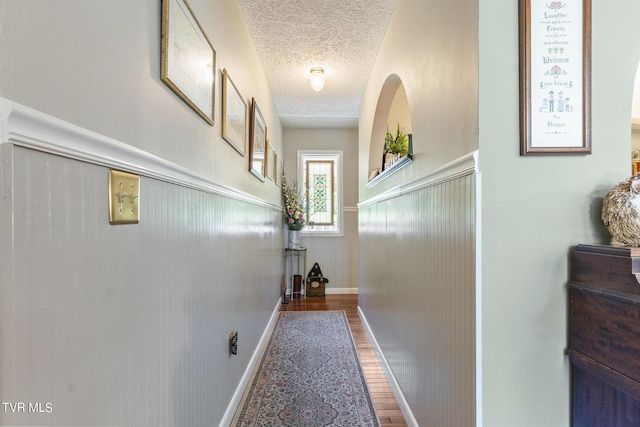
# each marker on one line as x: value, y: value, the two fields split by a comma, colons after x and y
x: 432, y: 47
x: 417, y: 226
x: 97, y: 65
x: 336, y: 255
x: 126, y: 325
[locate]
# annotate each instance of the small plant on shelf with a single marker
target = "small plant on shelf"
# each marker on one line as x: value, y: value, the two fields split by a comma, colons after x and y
x: 398, y: 144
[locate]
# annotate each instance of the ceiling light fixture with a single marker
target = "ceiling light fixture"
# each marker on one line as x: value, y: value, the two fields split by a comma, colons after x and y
x: 317, y: 78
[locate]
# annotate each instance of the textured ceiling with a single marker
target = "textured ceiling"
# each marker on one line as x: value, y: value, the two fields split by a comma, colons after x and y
x: 341, y: 36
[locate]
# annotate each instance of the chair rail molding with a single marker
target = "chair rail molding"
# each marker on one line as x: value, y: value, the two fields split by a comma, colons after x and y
x: 464, y: 165
x: 25, y: 127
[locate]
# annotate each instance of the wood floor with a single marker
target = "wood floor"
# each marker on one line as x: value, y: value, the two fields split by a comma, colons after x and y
x: 383, y: 398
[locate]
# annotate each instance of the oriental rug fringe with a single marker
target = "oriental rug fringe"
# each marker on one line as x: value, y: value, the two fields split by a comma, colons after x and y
x: 309, y: 375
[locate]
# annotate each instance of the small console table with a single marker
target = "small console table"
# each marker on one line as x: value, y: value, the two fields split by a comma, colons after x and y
x: 295, y: 265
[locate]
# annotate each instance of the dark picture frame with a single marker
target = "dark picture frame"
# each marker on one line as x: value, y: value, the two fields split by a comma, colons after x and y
x: 257, y: 142
x: 234, y: 115
x: 188, y: 58
x: 555, y: 77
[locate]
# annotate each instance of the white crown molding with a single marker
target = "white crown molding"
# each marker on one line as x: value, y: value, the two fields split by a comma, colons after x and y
x: 465, y: 165
x: 26, y: 127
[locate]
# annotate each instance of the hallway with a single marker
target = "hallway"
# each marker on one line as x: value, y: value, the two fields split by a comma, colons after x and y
x: 385, y: 402
x: 460, y: 258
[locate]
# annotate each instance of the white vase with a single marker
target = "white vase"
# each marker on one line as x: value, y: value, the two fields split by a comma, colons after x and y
x: 390, y: 159
x: 294, y: 239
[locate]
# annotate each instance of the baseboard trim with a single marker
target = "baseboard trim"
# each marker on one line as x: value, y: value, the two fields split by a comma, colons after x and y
x: 341, y: 291
x: 227, y: 419
x: 395, y: 387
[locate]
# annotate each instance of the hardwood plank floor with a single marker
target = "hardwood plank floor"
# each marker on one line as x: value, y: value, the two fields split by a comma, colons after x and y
x: 383, y: 398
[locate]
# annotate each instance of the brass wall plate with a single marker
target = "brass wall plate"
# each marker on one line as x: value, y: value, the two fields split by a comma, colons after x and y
x: 124, y: 198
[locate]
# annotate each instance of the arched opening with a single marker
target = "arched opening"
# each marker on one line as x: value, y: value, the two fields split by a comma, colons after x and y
x: 392, y: 115
x: 635, y: 125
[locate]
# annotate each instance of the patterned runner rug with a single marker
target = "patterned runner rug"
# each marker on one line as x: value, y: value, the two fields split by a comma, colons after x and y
x: 310, y: 375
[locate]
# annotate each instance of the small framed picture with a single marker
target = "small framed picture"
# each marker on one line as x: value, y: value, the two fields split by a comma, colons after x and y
x: 234, y: 115
x: 257, y: 142
x: 276, y: 169
x: 271, y: 167
x: 280, y: 171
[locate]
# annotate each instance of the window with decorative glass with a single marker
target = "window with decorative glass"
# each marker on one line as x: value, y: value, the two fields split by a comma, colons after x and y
x: 321, y: 173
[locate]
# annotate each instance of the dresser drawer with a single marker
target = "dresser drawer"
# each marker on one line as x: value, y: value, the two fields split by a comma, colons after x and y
x: 606, y: 328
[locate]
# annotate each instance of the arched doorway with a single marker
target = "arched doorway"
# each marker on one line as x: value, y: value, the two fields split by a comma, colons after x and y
x: 392, y: 111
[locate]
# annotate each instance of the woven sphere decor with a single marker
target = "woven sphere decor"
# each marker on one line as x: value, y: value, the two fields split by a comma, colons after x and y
x: 621, y: 212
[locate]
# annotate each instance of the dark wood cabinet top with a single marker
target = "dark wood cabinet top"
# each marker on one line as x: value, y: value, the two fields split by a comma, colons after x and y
x: 606, y: 268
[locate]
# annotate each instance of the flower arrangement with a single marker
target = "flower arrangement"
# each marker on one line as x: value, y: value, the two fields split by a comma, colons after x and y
x: 293, y: 206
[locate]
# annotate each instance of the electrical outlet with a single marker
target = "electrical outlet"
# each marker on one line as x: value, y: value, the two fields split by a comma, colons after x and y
x: 233, y: 343
x: 124, y: 197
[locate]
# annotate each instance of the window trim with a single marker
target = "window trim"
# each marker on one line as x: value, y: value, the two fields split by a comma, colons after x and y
x: 304, y: 155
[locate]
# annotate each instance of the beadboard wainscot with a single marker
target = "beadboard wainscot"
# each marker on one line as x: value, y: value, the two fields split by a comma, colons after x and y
x: 129, y: 324
x: 418, y: 291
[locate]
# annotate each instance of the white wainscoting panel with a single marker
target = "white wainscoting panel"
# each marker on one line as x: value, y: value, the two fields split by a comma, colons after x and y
x: 337, y: 256
x: 127, y: 325
x: 417, y: 292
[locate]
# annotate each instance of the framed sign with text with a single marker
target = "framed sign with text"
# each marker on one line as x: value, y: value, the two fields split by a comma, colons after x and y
x: 555, y: 77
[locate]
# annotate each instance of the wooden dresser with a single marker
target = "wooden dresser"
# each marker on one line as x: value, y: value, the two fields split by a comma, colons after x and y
x: 604, y: 328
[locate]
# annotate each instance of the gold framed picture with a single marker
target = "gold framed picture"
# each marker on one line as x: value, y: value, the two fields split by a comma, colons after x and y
x: 257, y: 142
x: 234, y: 115
x: 188, y: 58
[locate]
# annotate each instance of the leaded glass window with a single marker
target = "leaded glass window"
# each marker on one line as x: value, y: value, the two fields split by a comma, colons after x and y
x: 319, y: 190
x: 320, y: 173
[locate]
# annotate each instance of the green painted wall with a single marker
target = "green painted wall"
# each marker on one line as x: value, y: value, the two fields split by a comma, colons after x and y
x: 533, y: 209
